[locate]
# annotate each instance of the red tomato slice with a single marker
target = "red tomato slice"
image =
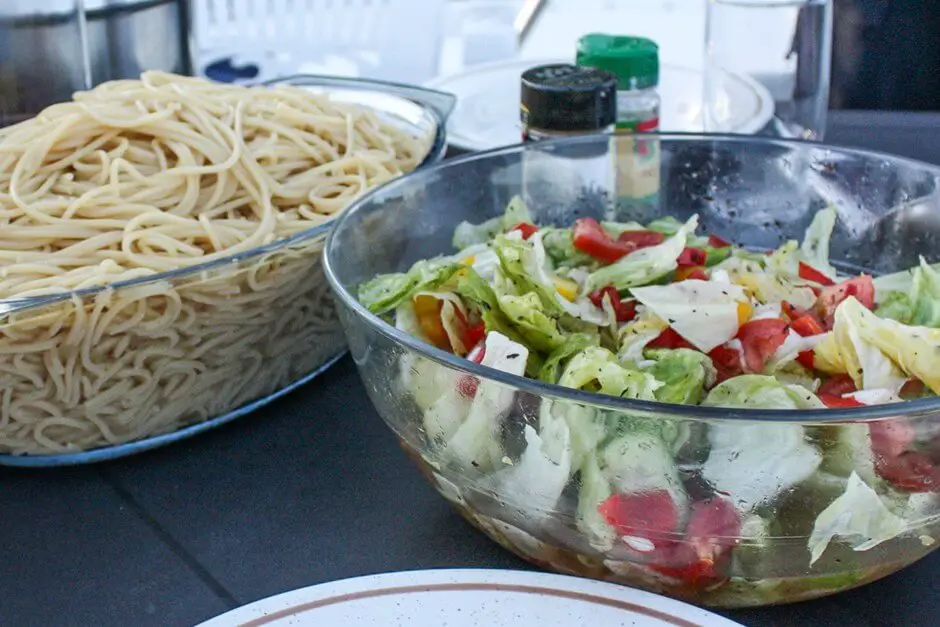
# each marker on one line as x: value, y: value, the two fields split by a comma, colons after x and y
x: 650, y: 515
x: 914, y: 388
x: 890, y: 438
x: 698, y: 560
x: 809, y: 273
x: 833, y: 402
x: 591, y: 238
x: 692, y: 257
x: 716, y: 241
x: 806, y: 359
x: 761, y: 339
x: 838, y: 385
x: 624, y: 311
x: 642, y: 239
x: 526, y: 229
x: 690, y: 272
x: 807, y: 325
x: 669, y: 339
x: 911, y: 471
x: 727, y: 362
x: 831, y: 297
x: 467, y: 384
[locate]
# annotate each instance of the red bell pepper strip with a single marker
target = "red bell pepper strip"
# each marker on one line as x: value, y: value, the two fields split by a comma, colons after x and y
x: 670, y: 339
x: 527, y: 229
x: 809, y: 273
x: 692, y: 257
x: 716, y: 241
x: 624, y: 311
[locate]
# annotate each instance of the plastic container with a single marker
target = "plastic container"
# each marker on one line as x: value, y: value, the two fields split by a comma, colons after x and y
x: 758, y: 190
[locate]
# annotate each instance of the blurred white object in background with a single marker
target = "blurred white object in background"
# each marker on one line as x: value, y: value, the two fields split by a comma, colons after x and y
x: 478, y: 32
x: 786, y: 45
x: 395, y: 40
x: 677, y: 26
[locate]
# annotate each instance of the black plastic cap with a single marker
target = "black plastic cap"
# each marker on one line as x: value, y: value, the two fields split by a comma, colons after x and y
x: 564, y: 97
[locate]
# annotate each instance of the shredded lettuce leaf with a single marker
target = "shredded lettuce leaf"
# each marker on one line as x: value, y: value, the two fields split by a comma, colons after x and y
x: 597, y: 369
x: 878, y: 352
x: 476, y: 442
x: 703, y: 312
x: 858, y: 515
x: 684, y: 374
x: 815, y: 247
x: 383, y: 293
x: 644, y: 265
x: 574, y: 344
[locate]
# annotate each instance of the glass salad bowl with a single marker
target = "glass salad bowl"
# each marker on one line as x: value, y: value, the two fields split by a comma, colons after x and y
x: 725, y: 507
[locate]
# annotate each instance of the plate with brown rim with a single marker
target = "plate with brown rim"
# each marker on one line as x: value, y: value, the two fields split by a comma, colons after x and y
x: 465, y: 598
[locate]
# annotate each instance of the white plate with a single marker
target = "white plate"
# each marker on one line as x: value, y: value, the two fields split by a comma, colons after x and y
x: 468, y: 598
x: 487, y: 113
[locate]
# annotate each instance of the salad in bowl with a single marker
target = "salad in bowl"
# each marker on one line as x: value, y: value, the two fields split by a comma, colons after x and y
x: 727, y: 511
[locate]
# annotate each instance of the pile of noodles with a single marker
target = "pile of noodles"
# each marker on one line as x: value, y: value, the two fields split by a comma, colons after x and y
x: 143, y: 177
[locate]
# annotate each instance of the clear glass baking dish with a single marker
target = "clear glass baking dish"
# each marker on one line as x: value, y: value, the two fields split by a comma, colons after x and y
x: 240, y: 361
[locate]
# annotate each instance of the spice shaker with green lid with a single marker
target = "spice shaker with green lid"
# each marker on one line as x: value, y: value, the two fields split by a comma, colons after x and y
x: 635, y: 63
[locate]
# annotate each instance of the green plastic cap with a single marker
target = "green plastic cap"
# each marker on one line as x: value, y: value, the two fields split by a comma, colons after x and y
x: 633, y: 60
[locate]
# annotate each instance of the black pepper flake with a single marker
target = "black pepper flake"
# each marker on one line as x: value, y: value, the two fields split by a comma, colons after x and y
x: 512, y: 356
x: 671, y: 320
x: 474, y: 464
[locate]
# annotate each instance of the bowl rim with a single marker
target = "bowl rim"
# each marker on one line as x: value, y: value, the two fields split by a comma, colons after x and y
x: 436, y: 151
x: 915, y: 408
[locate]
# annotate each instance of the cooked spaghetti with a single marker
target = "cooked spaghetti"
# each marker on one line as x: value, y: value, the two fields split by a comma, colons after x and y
x: 142, y: 177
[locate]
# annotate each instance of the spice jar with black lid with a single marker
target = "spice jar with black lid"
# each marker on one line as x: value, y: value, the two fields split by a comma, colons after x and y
x: 561, y: 100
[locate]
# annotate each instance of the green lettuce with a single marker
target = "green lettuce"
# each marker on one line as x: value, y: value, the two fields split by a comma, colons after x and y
x: 527, y: 315
x: 815, y: 247
x: 753, y: 463
x: 633, y: 462
x: 522, y: 271
x: 574, y: 343
x: 467, y: 234
x: 896, y: 306
x: 645, y: 265
x: 858, y: 515
x: 516, y: 213
x: 383, y: 293
x: 559, y: 244
x: 755, y: 391
x: 596, y: 369
x: 923, y: 299
x: 684, y: 374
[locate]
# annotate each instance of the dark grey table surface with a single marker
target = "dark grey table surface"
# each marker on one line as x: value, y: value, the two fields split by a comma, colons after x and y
x: 310, y: 489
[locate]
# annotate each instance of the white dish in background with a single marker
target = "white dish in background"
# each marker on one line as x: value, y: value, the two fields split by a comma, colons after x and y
x: 468, y: 598
x: 487, y: 113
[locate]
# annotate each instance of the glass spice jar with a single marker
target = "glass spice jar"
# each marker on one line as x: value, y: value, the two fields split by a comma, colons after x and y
x: 562, y: 100
x: 635, y: 63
